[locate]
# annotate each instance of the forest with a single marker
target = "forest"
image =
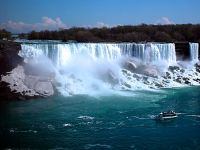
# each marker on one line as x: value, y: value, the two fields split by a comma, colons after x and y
x: 128, y: 33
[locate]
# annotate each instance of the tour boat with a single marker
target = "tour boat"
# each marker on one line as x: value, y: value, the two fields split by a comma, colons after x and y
x: 166, y: 115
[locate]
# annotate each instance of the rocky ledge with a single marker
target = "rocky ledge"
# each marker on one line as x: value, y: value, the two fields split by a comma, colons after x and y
x: 139, y: 76
x: 16, y: 83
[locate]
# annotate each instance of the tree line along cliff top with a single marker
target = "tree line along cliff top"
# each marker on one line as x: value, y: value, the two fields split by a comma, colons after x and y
x: 128, y: 33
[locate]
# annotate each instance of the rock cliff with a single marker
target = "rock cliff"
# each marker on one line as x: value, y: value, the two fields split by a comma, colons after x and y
x: 15, y: 83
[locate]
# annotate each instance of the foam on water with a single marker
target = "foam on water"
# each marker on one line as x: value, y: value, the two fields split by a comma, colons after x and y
x: 97, y: 146
x: 198, y: 116
x: 86, y: 117
x: 67, y: 125
x: 15, y: 130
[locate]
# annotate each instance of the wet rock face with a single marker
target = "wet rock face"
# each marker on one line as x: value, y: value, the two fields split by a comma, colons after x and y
x: 168, y: 75
x: 137, y: 67
x: 150, y: 71
x: 41, y: 85
x: 130, y: 66
x: 15, y: 79
x: 7, y: 94
x: 44, y: 88
x: 9, y: 58
x: 173, y: 76
x: 25, y: 86
x: 197, y: 66
x: 15, y: 84
x: 174, y: 69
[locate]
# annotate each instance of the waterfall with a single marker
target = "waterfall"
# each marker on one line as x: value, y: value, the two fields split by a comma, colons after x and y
x: 153, y: 52
x: 194, y: 52
x: 60, y: 54
x: 82, y: 68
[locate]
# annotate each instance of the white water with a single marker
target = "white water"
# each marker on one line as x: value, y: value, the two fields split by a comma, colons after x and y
x: 194, y: 52
x: 62, y: 53
x: 96, y: 68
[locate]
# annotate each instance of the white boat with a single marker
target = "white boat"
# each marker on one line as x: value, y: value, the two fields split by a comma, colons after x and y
x: 167, y: 115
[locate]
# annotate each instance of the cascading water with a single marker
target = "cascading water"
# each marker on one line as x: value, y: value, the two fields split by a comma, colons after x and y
x: 150, y: 52
x: 83, y: 67
x: 194, y: 52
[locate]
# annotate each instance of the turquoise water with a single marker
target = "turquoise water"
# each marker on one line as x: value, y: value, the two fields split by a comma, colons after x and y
x: 110, y: 122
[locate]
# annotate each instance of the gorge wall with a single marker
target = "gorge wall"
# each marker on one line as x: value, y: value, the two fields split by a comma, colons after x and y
x: 183, y: 50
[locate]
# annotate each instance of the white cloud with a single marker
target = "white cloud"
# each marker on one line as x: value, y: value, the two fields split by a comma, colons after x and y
x: 97, y: 25
x: 46, y: 21
x: 102, y: 24
x: 165, y: 21
x: 45, y: 24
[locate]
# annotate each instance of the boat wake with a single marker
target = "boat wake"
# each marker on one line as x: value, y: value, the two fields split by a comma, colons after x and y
x: 197, y: 116
x: 144, y: 118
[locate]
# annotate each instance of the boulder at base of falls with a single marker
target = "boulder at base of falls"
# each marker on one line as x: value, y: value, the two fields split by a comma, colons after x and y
x: 18, y: 86
x: 174, y: 69
x: 167, y: 75
x: 44, y: 88
x: 179, y: 80
x: 130, y: 66
x: 197, y: 80
x: 158, y: 85
x: 150, y: 71
x: 126, y: 85
x: 197, y: 66
x: 41, y: 85
x: 14, y: 83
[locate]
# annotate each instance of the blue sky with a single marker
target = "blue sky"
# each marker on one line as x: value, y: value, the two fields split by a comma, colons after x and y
x: 26, y: 15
